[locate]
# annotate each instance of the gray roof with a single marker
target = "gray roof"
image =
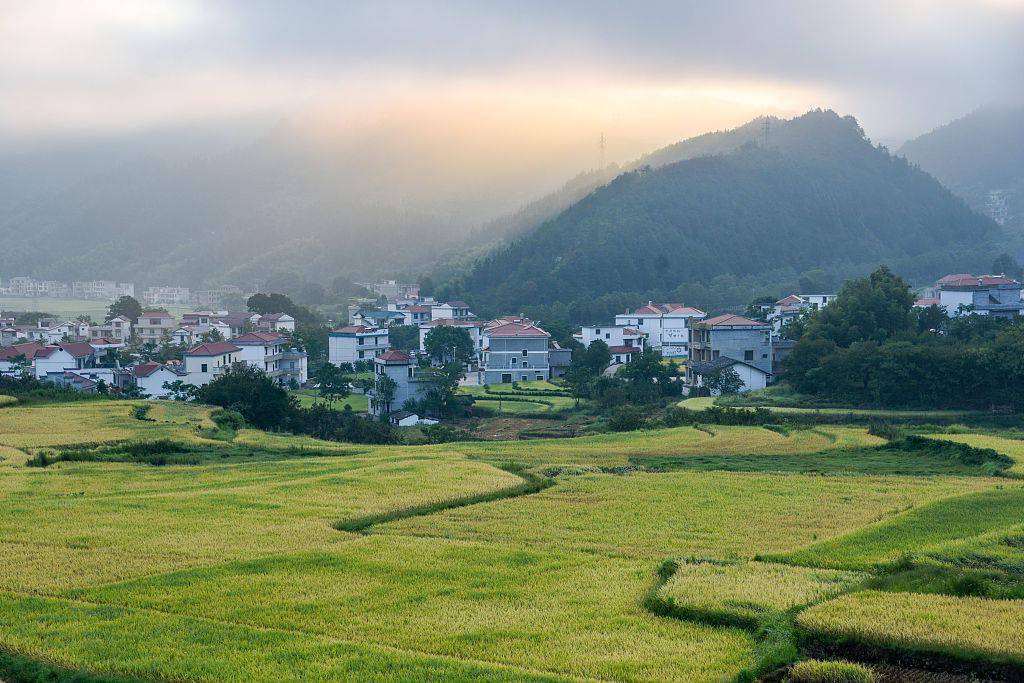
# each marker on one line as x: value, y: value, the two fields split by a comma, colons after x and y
x: 706, y: 368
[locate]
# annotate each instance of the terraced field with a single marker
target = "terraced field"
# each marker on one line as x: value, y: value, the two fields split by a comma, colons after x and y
x: 235, y: 569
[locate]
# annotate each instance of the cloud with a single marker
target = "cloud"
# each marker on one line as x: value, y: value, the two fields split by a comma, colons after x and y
x: 901, y: 65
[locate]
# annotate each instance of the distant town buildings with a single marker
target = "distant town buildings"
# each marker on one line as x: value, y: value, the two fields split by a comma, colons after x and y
x: 962, y: 294
x: 667, y: 326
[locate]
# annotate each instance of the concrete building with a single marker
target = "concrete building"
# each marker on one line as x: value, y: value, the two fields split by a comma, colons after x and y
x: 275, y: 322
x: 515, y: 352
x: 59, y: 358
x: 399, y: 366
x: 206, y: 362
x: 474, y: 328
x: 612, y: 335
x: 155, y: 327
x: 667, y: 326
x: 451, y: 310
x: 375, y: 318
x: 698, y: 372
x: 962, y: 294
x: 271, y: 353
x: 118, y: 327
x: 730, y: 336
x: 151, y: 377
x: 791, y: 307
x: 106, y: 290
x: 355, y: 343
x: 166, y: 296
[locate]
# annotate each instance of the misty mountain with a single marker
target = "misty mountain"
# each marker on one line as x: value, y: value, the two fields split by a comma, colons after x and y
x: 820, y: 196
x: 981, y: 158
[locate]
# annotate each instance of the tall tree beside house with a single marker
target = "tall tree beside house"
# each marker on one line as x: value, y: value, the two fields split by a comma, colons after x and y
x: 251, y: 392
x: 334, y: 383
x: 280, y: 303
x: 403, y: 337
x: 384, y: 389
x: 448, y: 344
x: 127, y: 306
x: 724, y: 381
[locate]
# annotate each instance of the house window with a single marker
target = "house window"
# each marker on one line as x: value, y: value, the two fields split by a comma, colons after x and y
x: 360, y: 341
x: 748, y: 355
x: 525, y: 353
x: 523, y: 377
x: 360, y: 354
x: 607, y: 335
x: 714, y: 354
x: 506, y: 378
x: 204, y: 368
x: 410, y: 373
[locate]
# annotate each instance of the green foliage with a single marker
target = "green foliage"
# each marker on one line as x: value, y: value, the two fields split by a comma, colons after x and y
x: 127, y: 306
x: 447, y: 344
x: 252, y: 393
x: 724, y: 381
x: 334, y: 383
x: 279, y: 303
x: 826, y: 179
x: 403, y: 337
x: 816, y: 671
x: 627, y: 419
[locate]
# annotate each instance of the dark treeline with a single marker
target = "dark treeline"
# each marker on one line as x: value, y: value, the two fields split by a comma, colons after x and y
x: 872, y: 347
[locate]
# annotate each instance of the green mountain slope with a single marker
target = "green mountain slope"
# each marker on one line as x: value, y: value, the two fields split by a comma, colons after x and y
x: 820, y: 196
x: 981, y: 158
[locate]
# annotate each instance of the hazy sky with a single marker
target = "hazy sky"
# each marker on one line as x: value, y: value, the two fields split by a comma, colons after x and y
x: 545, y: 78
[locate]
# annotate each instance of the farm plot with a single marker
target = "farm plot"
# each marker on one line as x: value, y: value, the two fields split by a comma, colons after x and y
x: 959, y: 627
x: 562, y: 613
x: 1014, y: 448
x: 76, y: 524
x: 721, y: 514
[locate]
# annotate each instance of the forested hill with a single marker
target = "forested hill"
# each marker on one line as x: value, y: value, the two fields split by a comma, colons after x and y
x: 824, y: 198
x: 981, y: 158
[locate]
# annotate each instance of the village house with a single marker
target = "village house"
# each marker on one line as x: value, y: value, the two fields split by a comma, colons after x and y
x: 270, y: 352
x: 731, y: 337
x: 355, y: 343
x: 18, y: 358
x: 206, y: 362
x: 375, y: 318
x: 58, y: 358
x: 275, y: 322
x: 150, y: 378
x: 515, y: 351
x: 118, y: 327
x: 789, y: 308
x: 166, y: 296
x: 399, y: 366
x: 667, y: 326
x: 236, y: 323
x: 154, y: 327
x: 612, y: 335
x: 451, y: 310
x: 963, y: 294
x: 559, y: 360
x: 415, y: 314
x: 698, y: 374
x: 106, y: 290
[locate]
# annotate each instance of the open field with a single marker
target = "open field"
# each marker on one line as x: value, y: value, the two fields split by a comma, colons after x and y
x: 68, y: 308
x: 1014, y: 448
x: 234, y: 567
x: 703, y: 402
x: 527, y: 391
x: 307, y: 397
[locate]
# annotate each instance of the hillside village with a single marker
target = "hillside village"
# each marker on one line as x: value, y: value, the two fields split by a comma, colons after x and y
x: 116, y: 355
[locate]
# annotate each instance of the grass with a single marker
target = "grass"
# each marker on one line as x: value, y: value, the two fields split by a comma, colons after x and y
x: 68, y: 308
x: 559, y: 612
x: 513, y: 407
x: 1014, y: 448
x: 744, y: 592
x: 916, y: 531
x: 6, y: 401
x: 957, y: 627
x: 723, y: 515
x: 307, y: 397
x: 491, y: 400
x: 704, y: 402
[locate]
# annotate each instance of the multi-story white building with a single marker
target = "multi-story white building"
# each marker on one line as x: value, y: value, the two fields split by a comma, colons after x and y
x: 355, y: 343
x: 27, y: 286
x: 451, y: 310
x: 206, y: 362
x: 612, y: 335
x: 166, y: 296
x: 106, y: 290
x: 415, y: 314
x: 963, y: 293
x: 118, y: 327
x: 155, y: 327
x: 667, y: 326
x: 270, y: 352
x: 789, y: 308
x: 275, y: 322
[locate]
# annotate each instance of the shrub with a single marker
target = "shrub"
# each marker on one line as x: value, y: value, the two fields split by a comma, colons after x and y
x: 142, y: 413
x: 228, y: 419
x: 440, y: 433
x: 626, y: 419
x: 816, y: 671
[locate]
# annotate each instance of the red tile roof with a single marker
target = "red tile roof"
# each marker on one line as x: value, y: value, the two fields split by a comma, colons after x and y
x: 155, y: 314
x: 145, y: 369
x: 729, y: 319
x: 416, y: 308
x: 927, y: 301
x: 212, y: 349
x: 273, y: 317
x: 662, y: 309
x: 78, y: 349
x: 516, y: 330
x: 457, y: 304
x: 28, y: 349
x: 394, y: 356
x: 790, y: 300
x: 258, y: 338
x: 450, y: 322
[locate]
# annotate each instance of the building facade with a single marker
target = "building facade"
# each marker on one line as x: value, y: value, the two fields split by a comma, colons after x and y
x: 515, y: 352
x: 399, y: 366
x: 667, y: 326
x: 735, y: 337
x: 356, y: 343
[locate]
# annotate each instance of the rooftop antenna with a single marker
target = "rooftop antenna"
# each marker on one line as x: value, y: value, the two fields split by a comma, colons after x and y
x: 765, y: 126
x: 601, y: 167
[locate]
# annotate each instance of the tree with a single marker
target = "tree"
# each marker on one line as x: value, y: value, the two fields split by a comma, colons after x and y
x: 251, y: 392
x: 447, y: 344
x: 384, y: 392
x: 724, y: 381
x: 1008, y: 266
x: 127, y: 306
x: 759, y: 308
x: 441, y: 398
x: 20, y: 365
x: 334, y: 384
x: 279, y: 303
x: 211, y: 336
x: 875, y: 308
x: 404, y: 337
x: 426, y: 286
x: 179, y: 390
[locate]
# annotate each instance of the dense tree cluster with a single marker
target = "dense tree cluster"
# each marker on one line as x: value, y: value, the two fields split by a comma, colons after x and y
x: 871, y: 347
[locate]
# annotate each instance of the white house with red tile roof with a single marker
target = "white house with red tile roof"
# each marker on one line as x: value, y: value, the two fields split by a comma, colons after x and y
x: 57, y: 358
x: 415, y: 313
x: 118, y: 327
x: 963, y: 293
x: 515, y: 352
x: 151, y: 377
x: 205, y: 362
x: 10, y: 354
x: 271, y: 353
x: 354, y: 343
x: 667, y: 326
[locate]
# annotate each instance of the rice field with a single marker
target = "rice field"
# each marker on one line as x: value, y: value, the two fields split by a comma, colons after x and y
x: 1014, y: 448
x: 67, y: 308
x: 234, y: 568
x: 7, y: 401
x: 746, y: 591
x: 959, y: 627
